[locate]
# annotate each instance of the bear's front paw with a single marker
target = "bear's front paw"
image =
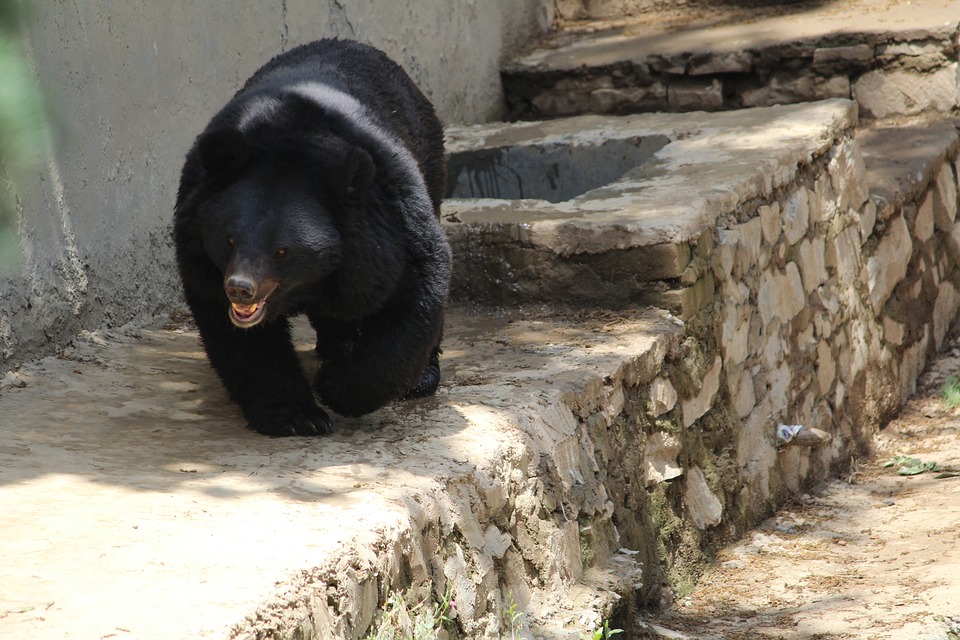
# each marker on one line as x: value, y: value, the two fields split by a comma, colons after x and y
x: 429, y: 379
x: 290, y: 420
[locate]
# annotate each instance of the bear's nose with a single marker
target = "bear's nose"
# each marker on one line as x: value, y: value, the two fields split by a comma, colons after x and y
x: 240, y: 289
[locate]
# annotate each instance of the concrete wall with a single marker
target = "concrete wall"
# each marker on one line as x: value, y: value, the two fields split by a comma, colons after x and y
x: 130, y: 85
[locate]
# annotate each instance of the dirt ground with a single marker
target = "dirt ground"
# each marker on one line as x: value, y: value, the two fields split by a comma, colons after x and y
x: 873, y: 554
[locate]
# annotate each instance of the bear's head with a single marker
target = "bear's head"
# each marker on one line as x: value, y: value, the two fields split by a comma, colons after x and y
x: 270, y: 216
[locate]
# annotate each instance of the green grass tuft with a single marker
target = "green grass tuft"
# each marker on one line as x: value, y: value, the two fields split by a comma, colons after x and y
x: 951, y: 391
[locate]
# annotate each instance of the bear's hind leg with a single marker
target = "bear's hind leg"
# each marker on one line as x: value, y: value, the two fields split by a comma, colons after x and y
x: 335, y: 338
x: 391, y: 360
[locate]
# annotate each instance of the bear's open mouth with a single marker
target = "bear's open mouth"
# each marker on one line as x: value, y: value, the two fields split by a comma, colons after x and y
x: 247, y: 315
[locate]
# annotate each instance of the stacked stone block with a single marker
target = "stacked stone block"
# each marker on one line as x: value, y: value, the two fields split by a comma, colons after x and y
x: 829, y: 299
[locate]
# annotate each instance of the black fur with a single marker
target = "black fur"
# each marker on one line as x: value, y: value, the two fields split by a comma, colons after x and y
x: 317, y: 188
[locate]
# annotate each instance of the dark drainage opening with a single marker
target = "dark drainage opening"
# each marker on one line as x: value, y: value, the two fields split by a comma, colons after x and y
x: 552, y: 172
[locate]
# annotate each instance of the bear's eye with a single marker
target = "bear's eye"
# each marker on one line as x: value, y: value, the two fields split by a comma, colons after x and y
x: 281, y: 252
x: 230, y: 240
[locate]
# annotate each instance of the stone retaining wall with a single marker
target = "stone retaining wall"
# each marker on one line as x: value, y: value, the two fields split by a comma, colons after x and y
x: 830, y: 297
x: 812, y: 299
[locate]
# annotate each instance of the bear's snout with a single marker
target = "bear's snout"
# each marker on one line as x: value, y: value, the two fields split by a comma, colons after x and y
x: 241, y: 289
x: 248, y: 298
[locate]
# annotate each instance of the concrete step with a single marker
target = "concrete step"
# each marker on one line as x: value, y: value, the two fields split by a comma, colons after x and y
x: 892, y: 58
x: 645, y: 233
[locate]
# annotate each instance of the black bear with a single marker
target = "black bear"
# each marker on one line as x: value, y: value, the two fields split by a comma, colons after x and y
x: 316, y: 190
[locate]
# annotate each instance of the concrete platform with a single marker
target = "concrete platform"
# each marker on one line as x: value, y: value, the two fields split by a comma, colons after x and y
x: 134, y: 503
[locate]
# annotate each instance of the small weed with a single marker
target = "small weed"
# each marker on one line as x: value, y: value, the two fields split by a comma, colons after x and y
x: 603, y: 633
x: 950, y: 391
x: 514, y: 618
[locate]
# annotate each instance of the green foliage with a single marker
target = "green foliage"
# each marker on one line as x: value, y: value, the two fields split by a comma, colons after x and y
x: 413, y: 615
x: 22, y: 131
x: 907, y: 466
x: 910, y: 466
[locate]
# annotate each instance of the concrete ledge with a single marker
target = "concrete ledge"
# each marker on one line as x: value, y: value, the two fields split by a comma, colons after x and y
x: 812, y: 289
x: 136, y: 505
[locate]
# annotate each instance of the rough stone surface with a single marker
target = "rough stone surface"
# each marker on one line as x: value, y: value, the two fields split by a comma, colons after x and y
x: 796, y: 216
x: 771, y: 222
x: 663, y: 395
x: 660, y: 458
x: 781, y: 295
x: 895, y: 59
x: 889, y: 93
x: 812, y: 263
x: 833, y: 59
x: 923, y: 222
x: 746, y: 399
x: 945, y: 199
x: 789, y: 89
x: 705, y: 508
x: 695, y: 407
x: 944, y: 310
x: 723, y: 62
x: 695, y: 96
x: 581, y: 249
x: 887, y: 267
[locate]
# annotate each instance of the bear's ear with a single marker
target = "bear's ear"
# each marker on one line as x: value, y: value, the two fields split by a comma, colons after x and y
x: 358, y: 171
x: 222, y: 151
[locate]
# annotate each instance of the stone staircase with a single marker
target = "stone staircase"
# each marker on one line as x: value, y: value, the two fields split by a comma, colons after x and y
x: 640, y: 301
x: 894, y: 59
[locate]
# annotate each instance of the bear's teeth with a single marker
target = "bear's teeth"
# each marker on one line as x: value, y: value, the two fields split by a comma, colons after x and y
x: 245, y: 310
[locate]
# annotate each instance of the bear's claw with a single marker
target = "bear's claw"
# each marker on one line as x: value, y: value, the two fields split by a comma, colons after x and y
x: 291, y: 420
